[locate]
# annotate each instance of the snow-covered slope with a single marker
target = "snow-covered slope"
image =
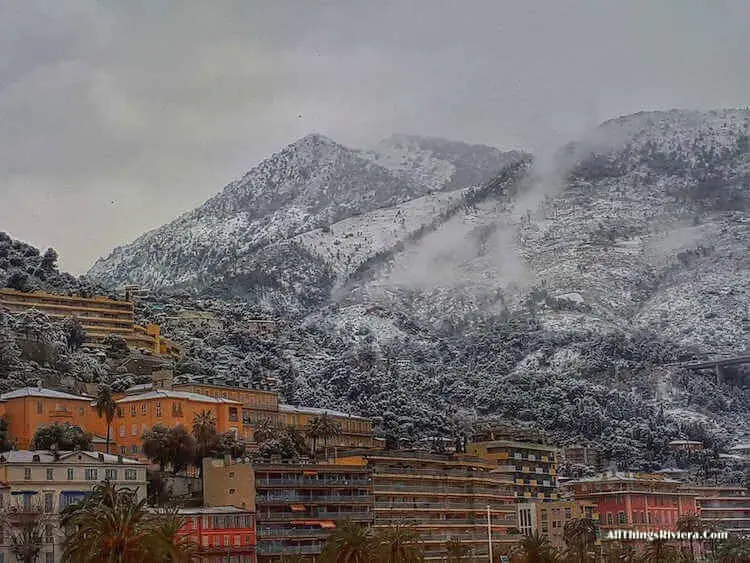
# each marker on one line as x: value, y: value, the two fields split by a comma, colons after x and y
x: 310, y: 185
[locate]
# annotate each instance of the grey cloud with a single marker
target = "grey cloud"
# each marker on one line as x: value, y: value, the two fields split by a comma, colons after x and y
x: 129, y: 113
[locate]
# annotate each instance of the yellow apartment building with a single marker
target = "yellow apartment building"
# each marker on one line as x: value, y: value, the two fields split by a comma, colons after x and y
x: 100, y: 316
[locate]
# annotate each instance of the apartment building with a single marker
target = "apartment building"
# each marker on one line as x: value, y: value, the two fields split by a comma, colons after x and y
x: 26, y: 409
x: 356, y: 431
x: 223, y: 534
x: 100, y: 316
x: 139, y: 412
x: 297, y: 505
x: 228, y: 483
x: 258, y: 405
x: 39, y: 484
x: 727, y: 508
x: 442, y: 497
x: 525, y: 459
x: 580, y: 455
x: 636, y: 501
x: 549, y: 518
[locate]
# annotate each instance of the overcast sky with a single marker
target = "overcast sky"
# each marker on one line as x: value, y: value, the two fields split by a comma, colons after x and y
x: 115, y: 117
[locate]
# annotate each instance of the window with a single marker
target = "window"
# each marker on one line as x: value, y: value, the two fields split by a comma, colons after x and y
x: 132, y: 410
x: 226, y: 540
x: 134, y: 430
x: 49, y: 557
x: 232, y: 491
x: 50, y: 474
x: 110, y: 474
x: 81, y: 412
x: 27, y: 473
x: 49, y: 502
x: 158, y: 408
x: 123, y: 450
x: 134, y: 449
x: 48, y: 533
x: 119, y: 412
x: 39, y: 407
x: 92, y: 474
x: 568, y: 513
x: 610, y: 519
x: 131, y: 474
x: 122, y: 431
x: 71, y: 473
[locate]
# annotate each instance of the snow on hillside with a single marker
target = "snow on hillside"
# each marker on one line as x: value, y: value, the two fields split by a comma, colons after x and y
x: 347, y: 244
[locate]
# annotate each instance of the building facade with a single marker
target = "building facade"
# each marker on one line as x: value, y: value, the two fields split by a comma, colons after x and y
x: 140, y: 412
x: 26, y: 409
x: 100, y: 316
x: 442, y: 497
x: 726, y: 508
x: 297, y: 505
x: 223, y: 534
x: 39, y: 484
x: 259, y: 405
x: 549, y: 518
x: 531, y: 465
x: 635, y: 501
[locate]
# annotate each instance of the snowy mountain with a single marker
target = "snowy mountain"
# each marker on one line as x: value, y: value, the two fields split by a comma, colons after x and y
x: 429, y: 282
x: 240, y: 239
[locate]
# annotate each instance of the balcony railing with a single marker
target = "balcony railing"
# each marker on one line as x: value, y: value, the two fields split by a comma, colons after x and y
x: 265, y: 548
x: 510, y: 522
x: 437, y: 505
x: 313, y: 515
x: 382, y: 488
x: 302, y: 482
x: 320, y: 499
x: 293, y: 533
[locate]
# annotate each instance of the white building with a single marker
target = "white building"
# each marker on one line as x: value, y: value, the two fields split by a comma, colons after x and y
x: 37, y: 485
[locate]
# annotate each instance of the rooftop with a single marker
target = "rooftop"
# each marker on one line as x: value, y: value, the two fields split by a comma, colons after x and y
x: 169, y: 394
x: 211, y: 510
x: 46, y: 456
x: 219, y: 386
x: 41, y: 392
x: 317, y: 412
x: 616, y: 476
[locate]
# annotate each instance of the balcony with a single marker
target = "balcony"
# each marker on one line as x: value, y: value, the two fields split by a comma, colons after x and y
x: 384, y: 488
x: 445, y: 522
x: 293, y: 533
x: 437, y: 505
x: 311, y: 483
x: 265, y: 548
x: 313, y: 515
x: 321, y: 499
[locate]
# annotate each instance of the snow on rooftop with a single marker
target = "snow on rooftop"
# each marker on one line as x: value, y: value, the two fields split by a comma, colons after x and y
x: 46, y: 456
x: 316, y: 411
x: 41, y: 392
x: 168, y: 394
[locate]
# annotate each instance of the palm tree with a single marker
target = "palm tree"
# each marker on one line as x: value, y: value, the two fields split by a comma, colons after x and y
x: 621, y: 553
x: 456, y: 550
x: 206, y: 438
x: 398, y: 544
x: 328, y: 428
x: 297, y: 438
x: 312, y: 430
x: 111, y: 526
x: 536, y: 549
x: 349, y: 543
x: 659, y: 551
x: 580, y: 537
x: 734, y: 550
x: 690, y: 523
x: 106, y: 407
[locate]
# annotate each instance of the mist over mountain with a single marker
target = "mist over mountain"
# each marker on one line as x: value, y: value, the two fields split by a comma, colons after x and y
x: 432, y: 283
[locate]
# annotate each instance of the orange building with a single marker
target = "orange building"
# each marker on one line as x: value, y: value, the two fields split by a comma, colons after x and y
x: 100, y: 316
x: 140, y: 412
x: 257, y: 405
x: 28, y: 408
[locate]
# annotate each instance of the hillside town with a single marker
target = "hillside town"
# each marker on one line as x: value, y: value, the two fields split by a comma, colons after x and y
x: 250, y: 478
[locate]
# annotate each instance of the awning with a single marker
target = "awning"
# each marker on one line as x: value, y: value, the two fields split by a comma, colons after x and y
x: 309, y: 473
x: 305, y: 522
x: 328, y: 524
x: 298, y: 508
